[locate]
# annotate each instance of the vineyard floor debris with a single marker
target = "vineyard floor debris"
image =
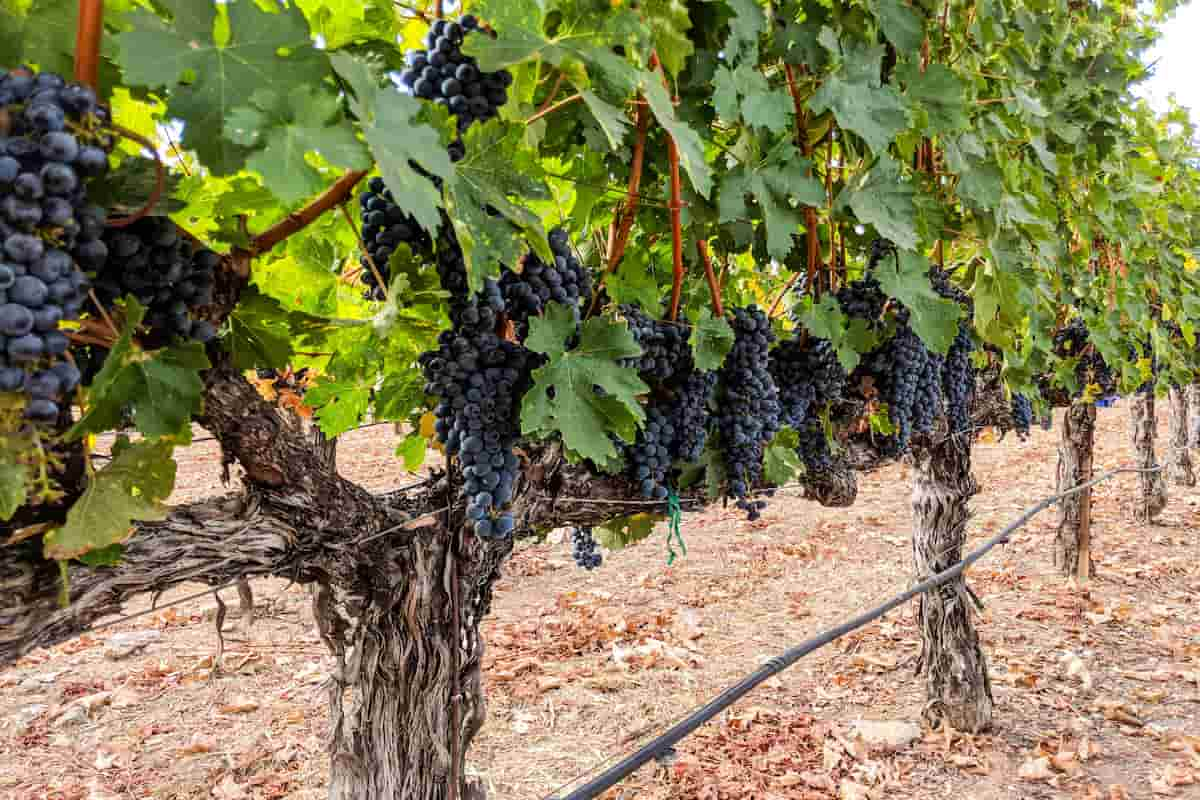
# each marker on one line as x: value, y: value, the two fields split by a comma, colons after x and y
x: 1097, y: 690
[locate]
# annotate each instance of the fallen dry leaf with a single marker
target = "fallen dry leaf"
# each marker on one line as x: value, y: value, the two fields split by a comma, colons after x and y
x: 241, y: 704
x: 1036, y: 769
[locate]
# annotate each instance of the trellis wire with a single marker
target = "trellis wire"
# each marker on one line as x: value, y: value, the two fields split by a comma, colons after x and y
x: 685, y: 726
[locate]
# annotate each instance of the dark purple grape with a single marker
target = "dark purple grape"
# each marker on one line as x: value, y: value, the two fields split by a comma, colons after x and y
x: 41, y: 410
x: 15, y: 320
x: 26, y: 348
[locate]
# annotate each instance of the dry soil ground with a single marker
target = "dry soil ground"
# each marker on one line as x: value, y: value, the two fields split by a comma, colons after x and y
x: 1097, y: 691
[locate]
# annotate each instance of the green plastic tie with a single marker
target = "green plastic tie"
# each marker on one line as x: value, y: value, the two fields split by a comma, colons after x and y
x: 674, y: 535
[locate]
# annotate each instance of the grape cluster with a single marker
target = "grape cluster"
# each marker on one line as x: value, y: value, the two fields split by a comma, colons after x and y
x: 664, y: 344
x: 691, y: 414
x: 899, y: 368
x: 165, y: 271
x: 584, y: 549
x: 385, y: 227
x: 748, y: 415
x: 444, y: 74
x: 565, y: 281
x: 51, y: 143
x: 1072, y: 341
x: 809, y: 375
x: 649, y: 458
x: 1022, y: 414
x: 479, y: 379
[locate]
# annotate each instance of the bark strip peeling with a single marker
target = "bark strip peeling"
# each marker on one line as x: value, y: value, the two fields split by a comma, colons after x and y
x: 1151, y: 498
x: 1179, y: 458
x: 1073, y: 540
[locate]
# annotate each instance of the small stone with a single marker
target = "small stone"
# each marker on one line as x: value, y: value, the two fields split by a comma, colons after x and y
x: 74, y: 715
x: 22, y: 720
x: 886, y: 734
x: 29, y: 686
x: 126, y: 643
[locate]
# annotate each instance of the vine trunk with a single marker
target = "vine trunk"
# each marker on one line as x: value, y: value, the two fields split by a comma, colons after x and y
x: 1151, y: 497
x: 957, y: 687
x: 1073, y: 541
x: 1179, y: 458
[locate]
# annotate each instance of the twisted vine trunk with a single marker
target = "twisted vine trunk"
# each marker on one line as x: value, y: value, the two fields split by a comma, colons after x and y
x: 1151, y: 498
x: 1179, y: 458
x: 1073, y: 540
x: 957, y: 687
x: 1193, y: 423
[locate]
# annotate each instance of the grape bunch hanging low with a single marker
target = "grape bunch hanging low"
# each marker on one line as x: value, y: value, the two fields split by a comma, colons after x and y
x: 810, y: 377
x: 167, y: 273
x: 748, y: 409
x: 691, y: 414
x: 1072, y: 340
x: 444, y: 74
x: 649, y: 457
x: 664, y: 344
x: 1022, y: 415
x: 479, y: 379
x: 584, y: 549
x: 565, y: 281
x: 51, y: 143
x: 385, y: 226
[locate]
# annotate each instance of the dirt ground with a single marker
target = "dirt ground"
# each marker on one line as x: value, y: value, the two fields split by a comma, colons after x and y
x: 1097, y: 692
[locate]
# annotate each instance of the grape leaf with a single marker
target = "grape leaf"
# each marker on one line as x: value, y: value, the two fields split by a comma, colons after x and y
x: 688, y: 142
x: 412, y: 449
x: 564, y: 397
x: 42, y: 32
x: 825, y: 320
x: 610, y: 118
x: 669, y: 25
x: 339, y: 406
x: 772, y: 184
x: 711, y: 341
x: 761, y: 106
x: 398, y: 141
x: 939, y: 98
x: 781, y: 464
x: 12, y: 488
x: 619, y: 533
x: 343, y: 22
x: 208, y: 79
x: 162, y: 387
x: 934, y: 318
x: 901, y: 25
x: 287, y: 128
x: 495, y: 167
x: 748, y: 23
x: 883, y: 199
x: 130, y: 488
x: 258, y: 332
x: 860, y: 104
x: 725, y: 94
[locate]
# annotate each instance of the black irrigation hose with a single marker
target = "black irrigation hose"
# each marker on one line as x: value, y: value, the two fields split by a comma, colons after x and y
x: 621, y: 770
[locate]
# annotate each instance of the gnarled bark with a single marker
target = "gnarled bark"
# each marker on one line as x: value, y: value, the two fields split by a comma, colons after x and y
x: 1193, y: 424
x: 1179, y: 459
x: 1073, y: 539
x: 957, y: 687
x: 1151, y: 497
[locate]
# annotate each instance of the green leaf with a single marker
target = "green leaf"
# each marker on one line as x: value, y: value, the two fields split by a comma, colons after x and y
x: 669, y: 26
x: 773, y: 185
x: 939, y: 97
x: 207, y: 80
x: 127, y: 189
x: 689, y: 143
x: 860, y: 104
x: 288, y: 128
x: 162, y: 387
x: 259, y: 335
x: 495, y: 168
x: 398, y: 141
x: 725, y: 94
x: 622, y: 532
x: 610, y: 118
x: 339, y: 406
x: 129, y: 489
x: 748, y: 23
x: 104, y: 557
x: 901, y: 25
x: 885, y: 199
x: 781, y: 464
x: 934, y: 318
x: 582, y: 416
x: 12, y: 488
x: 412, y: 449
x: 824, y: 319
x: 42, y: 32
x: 711, y: 341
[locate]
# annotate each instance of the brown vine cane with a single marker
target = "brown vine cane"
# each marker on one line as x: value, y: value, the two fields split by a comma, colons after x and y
x: 159, y: 182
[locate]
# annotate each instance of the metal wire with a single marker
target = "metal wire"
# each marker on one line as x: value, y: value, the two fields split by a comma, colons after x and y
x: 685, y: 726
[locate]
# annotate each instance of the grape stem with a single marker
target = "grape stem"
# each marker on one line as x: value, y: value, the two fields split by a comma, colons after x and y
x: 87, y: 42
x: 548, y: 110
x: 380, y: 282
x: 160, y: 179
x: 104, y: 314
x: 676, y: 212
x: 334, y: 196
x: 810, y: 213
x: 713, y: 287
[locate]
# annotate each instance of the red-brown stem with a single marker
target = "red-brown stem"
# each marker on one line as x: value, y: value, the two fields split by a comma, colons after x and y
x: 293, y: 223
x: 87, y: 42
x: 676, y: 225
x: 160, y: 179
x: 713, y: 287
x: 787, y: 287
x: 548, y: 110
x: 630, y: 206
x: 810, y: 213
x: 829, y: 198
x: 553, y: 91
